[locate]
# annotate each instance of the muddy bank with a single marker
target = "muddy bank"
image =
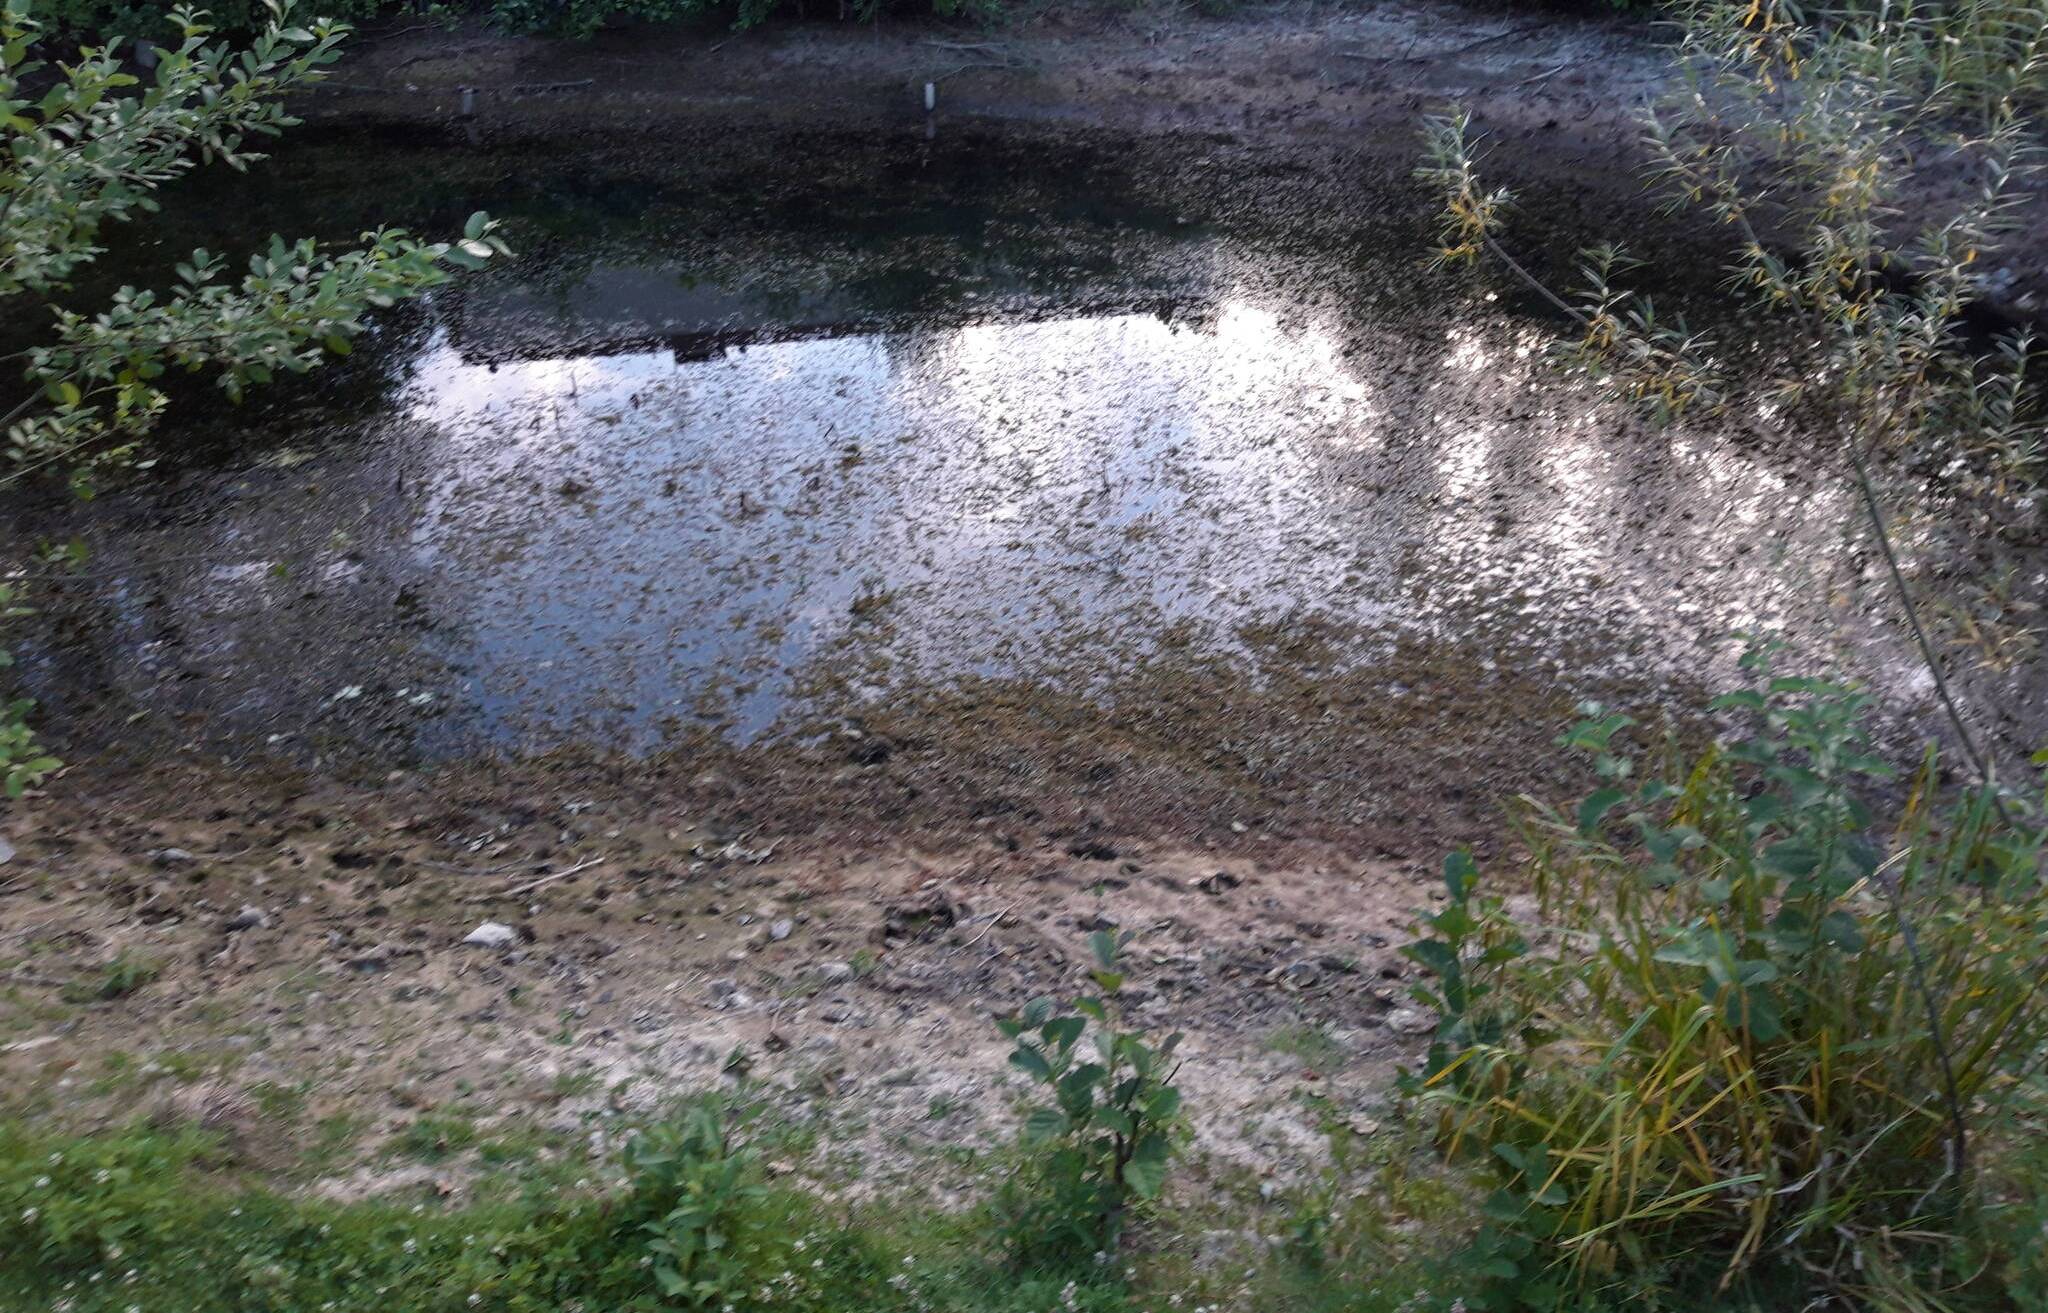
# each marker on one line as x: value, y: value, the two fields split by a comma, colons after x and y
x: 1557, y: 94
x: 300, y: 976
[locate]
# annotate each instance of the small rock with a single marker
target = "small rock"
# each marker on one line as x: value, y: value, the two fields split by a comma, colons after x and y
x: 251, y: 917
x: 1216, y: 883
x: 724, y: 991
x: 168, y: 857
x: 782, y: 930
x: 1296, y: 975
x: 922, y: 920
x: 833, y: 973
x: 492, y: 934
x: 1411, y: 1021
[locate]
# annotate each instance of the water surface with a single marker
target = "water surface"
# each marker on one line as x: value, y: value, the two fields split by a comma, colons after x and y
x: 757, y: 438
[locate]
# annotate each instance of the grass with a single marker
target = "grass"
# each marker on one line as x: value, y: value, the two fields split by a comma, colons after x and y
x: 164, y: 1218
x: 119, y: 978
x: 1310, y: 1043
x: 435, y: 1137
x: 1751, y: 1034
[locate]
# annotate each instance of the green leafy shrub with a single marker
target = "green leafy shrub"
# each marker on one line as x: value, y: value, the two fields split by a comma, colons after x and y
x: 1748, y: 1028
x: 82, y: 157
x: 1971, y: 55
x: 700, y: 1188
x: 1108, y: 1135
x: 83, y: 154
x: 23, y: 763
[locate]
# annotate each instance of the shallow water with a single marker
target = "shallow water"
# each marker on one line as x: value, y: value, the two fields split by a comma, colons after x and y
x: 751, y: 446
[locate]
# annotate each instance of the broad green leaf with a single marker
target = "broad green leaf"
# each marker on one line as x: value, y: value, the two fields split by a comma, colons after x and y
x: 1597, y: 805
x: 1032, y: 1062
x: 1145, y: 1173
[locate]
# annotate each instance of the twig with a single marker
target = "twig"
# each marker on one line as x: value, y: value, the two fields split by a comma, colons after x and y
x: 538, y: 88
x: 992, y: 923
x: 451, y: 867
x: 403, y: 31
x: 1452, y: 53
x: 1545, y: 75
x: 1959, y: 1135
x: 431, y: 55
x: 1875, y: 510
x: 520, y: 891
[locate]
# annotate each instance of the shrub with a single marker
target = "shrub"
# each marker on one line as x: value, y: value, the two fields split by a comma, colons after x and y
x: 1748, y: 1028
x: 699, y: 1188
x: 1974, y: 55
x: 1108, y: 1135
x: 81, y: 156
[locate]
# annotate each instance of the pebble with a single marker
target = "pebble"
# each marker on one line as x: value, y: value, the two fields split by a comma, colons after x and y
x: 492, y: 934
x: 172, y: 857
x: 251, y: 917
x: 781, y: 930
x: 833, y: 973
x: 1411, y: 1021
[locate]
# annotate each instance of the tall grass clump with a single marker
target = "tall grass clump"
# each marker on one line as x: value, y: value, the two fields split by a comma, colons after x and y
x: 1745, y: 1035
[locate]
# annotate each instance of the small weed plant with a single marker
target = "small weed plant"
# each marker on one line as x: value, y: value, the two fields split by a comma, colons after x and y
x: 119, y: 978
x: 1106, y: 1138
x: 1747, y: 1032
x: 702, y: 1188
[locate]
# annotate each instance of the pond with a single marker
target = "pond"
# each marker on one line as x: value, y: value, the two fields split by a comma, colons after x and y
x: 763, y: 434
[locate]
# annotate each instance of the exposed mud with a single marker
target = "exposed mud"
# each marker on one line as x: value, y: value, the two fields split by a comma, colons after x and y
x: 310, y: 980
x: 1557, y: 94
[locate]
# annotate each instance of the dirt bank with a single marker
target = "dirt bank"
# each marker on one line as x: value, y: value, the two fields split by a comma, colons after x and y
x: 297, y: 973
x: 1557, y: 95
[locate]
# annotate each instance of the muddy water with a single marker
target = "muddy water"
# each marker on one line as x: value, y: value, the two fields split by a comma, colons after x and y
x: 759, y: 437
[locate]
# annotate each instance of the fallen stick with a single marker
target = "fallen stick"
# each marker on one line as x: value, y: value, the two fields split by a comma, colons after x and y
x: 992, y: 923
x: 521, y: 891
